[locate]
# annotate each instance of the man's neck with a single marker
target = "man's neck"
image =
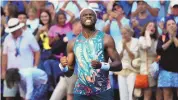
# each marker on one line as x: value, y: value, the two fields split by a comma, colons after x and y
x: 25, y: 27
x: 88, y: 32
x: 142, y: 15
x: 15, y: 37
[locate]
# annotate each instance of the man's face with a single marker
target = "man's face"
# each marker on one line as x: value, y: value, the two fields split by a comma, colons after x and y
x: 141, y: 6
x: 51, y: 8
x: 88, y: 18
x: 17, y: 33
x: 175, y: 10
x: 22, y: 18
x: 171, y: 26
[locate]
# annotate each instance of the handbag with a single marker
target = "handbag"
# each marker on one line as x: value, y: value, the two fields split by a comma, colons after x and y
x: 141, y: 81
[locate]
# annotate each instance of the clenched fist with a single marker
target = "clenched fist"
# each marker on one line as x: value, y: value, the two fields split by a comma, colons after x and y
x: 64, y: 61
x: 96, y: 64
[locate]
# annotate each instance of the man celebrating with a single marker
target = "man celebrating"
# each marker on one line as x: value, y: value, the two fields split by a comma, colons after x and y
x: 90, y: 51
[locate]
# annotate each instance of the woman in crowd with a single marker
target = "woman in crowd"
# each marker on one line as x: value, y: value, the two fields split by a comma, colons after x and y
x: 42, y: 37
x: 58, y: 32
x: 128, y: 50
x: 58, y: 45
x: 168, y: 49
x: 147, y: 52
x: 10, y: 11
x: 42, y: 31
x: 32, y: 21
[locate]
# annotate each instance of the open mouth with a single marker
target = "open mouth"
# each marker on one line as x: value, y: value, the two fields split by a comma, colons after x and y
x: 152, y: 31
x: 88, y: 21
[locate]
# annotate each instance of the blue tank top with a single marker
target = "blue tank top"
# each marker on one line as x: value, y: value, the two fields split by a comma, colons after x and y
x: 90, y: 81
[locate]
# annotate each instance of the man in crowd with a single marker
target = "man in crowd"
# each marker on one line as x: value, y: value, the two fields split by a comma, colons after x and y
x: 20, y: 50
x: 22, y: 16
x: 32, y: 82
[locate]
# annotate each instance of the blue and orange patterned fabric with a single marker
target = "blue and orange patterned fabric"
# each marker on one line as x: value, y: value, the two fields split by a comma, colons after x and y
x: 90, y: 81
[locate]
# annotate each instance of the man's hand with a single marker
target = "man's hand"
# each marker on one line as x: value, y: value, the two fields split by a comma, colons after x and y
x: 64, y: 61
x: 96, y: 64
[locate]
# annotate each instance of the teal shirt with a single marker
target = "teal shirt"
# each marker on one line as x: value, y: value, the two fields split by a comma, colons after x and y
x: 90, y: 81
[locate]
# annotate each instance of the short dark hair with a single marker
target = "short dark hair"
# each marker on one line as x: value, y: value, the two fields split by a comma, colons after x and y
x: 167, y: 19
x: 117, y: 3
x: 60, y: 13
x: 140, y: 1
x: 12, y: 77
x: 49, y: 3
x: 155, y: 35
x: 22, y: 13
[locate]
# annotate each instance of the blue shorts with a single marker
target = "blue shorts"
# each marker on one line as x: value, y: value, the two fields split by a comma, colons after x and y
x: 106, y: 95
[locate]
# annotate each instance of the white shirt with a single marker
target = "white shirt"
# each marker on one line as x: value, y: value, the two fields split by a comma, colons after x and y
x: 33, y: 24
x: 126, y: 61
x: 30, y: 78
x: 27, y: 44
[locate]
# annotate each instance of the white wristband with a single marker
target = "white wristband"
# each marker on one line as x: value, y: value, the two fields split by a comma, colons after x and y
x: 63, y: 69
x: 105, y: 66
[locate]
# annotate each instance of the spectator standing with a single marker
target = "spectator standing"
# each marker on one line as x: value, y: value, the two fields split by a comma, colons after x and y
x: 152, y: 7
x: 168, y: 49
x: 117, y: 20
x: 128, y: 50
x: 141, y: 18
x: 20, y: 50
x: 59, y: 30
x: 22, y: 16
x: 147, y: 51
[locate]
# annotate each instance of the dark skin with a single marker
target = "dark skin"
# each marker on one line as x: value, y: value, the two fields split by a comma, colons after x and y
x: 88, y: 20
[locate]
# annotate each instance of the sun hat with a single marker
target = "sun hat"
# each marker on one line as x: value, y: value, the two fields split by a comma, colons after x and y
x: 13, y: 25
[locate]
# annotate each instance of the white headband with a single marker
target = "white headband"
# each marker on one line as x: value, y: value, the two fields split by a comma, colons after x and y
x: 89, y: 9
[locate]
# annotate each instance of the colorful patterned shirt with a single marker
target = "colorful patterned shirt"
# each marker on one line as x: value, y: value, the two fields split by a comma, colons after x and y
x: 90, y: 81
